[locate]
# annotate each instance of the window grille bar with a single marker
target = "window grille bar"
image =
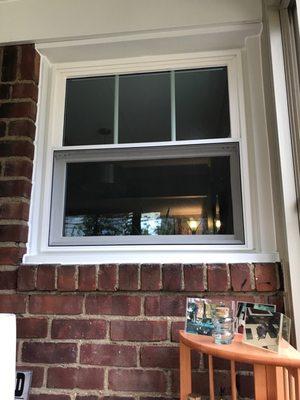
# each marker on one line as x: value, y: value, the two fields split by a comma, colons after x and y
x: 173, y: 106
x: 116, y: 111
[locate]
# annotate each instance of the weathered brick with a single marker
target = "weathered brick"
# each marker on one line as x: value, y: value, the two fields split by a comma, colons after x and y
x: 278, y: 300
x: 18, y: 109
x: 108, y: 354
x: 13, y: 233
x: 53, y: 304
x: 45, y: 278
x: 15, y: 188
x: 217, y: 277
x: 130, y: 380
x: 30, y: 63
x: 25, y: 90
x: 26, y: 277
x: 18, y: 168
x: 9, y: 63
x: 4, y: 91
x: 21, y: 128
x: 245, y: 386
x: 45, y: 396
x: 16, y: 148
x: 8, y: 280
x: 87, y: 278
x: 37, y: 374
x: 139, y: 330
x: 128, y: 277
x: 194, y: 278
x: 32, y: 327
x: 88, y: 397
x: 66, y: 278
x: 49, y: 353
x: 160, y: 357
x: 3, y: 126
x: 70, y: 378
x: 12, y: 303
x: 14, y: 210
x: 240, y: 277
x: 175, y: 328
x: 11, y: 255
x: 150, y: 277
x: 165, y: 305
x: 171, y: 277
x: 78, y: 329
x: 266, y: 277
x: 107, y: 277
x: 113, y: 305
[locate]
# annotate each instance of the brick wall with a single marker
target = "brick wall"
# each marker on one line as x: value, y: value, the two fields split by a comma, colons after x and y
x: 98, y: 331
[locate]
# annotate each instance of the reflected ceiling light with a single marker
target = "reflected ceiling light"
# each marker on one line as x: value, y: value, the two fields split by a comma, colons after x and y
x: 193, y: 225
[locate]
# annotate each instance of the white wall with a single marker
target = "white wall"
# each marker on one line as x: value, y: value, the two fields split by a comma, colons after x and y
x: 46, y: 20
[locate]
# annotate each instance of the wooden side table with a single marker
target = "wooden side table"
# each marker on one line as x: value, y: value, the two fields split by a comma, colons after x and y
x: 276, y: 376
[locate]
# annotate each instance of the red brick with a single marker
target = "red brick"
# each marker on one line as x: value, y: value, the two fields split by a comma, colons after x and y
x: 20, y: 109
x: 14, y: 210
x: 13, y: 233
x: 113, y: 305
x: 32, y: 328
x: 11, y: 255
x: 240, y: 277
x: 25, y: 90
x: 108, y: 355
x: 143, y: 331
x: 160, y: 357
x: 165, y: 305
x: 131, y: 380
x: 44, y: 396
x: 175, y: 328
x: 245, y: 386
x: 88, y: 397
x: 117, y: 398
x: 87, y: 278
x: 13, y: 303
x: 66, y: 278
x: 21, y: 128
x: 171, y: 277
x: 18, y: 168
x: 217, y: 277
x: 15, y: 188
x: 9, y: 63
x: 17, y: 148
x: 37, y: 374
x: 30, y: 62
x: 70, y: 378
x: 78, y: 329
x: 45, y: 278
x: 194, y: 278
x: 128, y: 277
x: 4, y: 91
x: 49, y: 353
x: 8, y: 280
x: 150, y: 277
x: 26, y: 277
x: 278, y: 300
x: 2, y: 128
x: 107, y: 277
x: 53, y: 304
x: 266, y: 277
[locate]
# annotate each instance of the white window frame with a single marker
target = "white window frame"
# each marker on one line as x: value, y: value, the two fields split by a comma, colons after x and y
x: 50, y: 133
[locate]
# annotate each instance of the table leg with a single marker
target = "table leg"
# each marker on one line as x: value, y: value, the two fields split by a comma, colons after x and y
x: 185, y: 371
x: 260, y: 382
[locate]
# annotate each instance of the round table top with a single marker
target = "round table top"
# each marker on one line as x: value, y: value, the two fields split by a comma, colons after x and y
x: 238, y: 351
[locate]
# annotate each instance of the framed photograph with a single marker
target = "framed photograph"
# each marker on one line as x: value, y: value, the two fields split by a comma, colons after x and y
x: 255, y: 309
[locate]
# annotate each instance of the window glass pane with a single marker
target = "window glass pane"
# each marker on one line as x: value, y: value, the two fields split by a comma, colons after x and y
x: 89, y: 111
x: 149, y: 197
x: 202, y: 104
x: 144, y: 108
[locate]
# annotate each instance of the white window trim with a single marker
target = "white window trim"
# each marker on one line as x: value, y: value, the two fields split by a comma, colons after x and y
x: 49, y: 134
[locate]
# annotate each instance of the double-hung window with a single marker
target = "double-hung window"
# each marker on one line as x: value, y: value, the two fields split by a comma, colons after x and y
x: 147, y: 158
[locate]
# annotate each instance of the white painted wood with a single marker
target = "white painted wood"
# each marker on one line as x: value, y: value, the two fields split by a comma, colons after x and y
x: 286, y: 162
x: 8, y: 356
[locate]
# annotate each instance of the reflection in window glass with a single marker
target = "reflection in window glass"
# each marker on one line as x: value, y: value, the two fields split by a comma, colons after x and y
x: 144, y: 108
x: 89, y: 111
x: 202, y: 104
x: 144, y: 197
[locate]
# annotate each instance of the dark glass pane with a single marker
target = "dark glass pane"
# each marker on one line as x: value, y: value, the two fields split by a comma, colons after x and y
x: 149, y: 197
x: 89, y: 111
x: 202, y: 104
x: 144, y: 108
